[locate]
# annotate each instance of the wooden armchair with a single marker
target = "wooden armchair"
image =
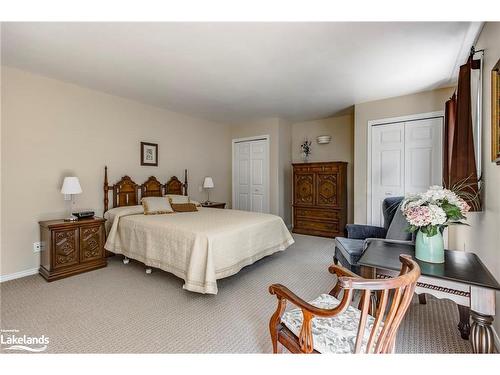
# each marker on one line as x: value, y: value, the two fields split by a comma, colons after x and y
x: 331, y: 325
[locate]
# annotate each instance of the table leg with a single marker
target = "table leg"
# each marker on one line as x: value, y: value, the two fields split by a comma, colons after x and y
x: 481, y: 333
x: 464, y: 324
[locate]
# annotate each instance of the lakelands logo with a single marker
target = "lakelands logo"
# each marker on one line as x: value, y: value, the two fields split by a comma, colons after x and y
x: 12, y: 340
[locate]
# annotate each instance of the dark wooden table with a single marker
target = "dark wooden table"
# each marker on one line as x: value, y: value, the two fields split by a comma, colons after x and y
x: 462, y: 278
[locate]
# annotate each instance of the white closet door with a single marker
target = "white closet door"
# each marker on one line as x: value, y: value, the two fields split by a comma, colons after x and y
x: 251, y: 176
x: 423, y: 154
x: 242, y: 176
x: 258, y: 161
x: 406, y: 157
x: 388, y: 165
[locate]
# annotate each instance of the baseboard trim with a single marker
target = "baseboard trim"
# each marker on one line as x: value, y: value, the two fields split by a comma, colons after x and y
x: 18, y: 275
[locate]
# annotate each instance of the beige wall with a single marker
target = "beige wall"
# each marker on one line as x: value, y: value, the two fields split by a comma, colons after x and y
x: 341, y: 148
x: 278, y: 131
x: 483, y: 235
x: 285, y: 171
x: 423, y: 102
x: 51, y: 129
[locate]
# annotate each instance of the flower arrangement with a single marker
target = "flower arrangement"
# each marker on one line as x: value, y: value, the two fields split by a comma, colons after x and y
x: 434, y: 210
x: 306, y: 148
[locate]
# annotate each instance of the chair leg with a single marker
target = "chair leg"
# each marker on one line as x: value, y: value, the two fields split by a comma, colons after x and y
x: 464, y: 324
x: 274, y: 340
x: 421, y: 299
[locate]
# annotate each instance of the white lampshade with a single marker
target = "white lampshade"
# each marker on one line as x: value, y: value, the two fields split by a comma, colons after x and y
x: 208, y: 183
x: 71, y: 185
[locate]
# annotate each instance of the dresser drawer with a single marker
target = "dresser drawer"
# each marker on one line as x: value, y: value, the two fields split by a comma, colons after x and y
x: 317, y: 226
x: 314, y: 213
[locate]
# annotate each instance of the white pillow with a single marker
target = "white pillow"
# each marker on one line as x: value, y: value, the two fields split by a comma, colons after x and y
x: 177, y: 199
x: 156, y: 206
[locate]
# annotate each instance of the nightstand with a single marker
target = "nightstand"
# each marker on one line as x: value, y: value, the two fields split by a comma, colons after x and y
x: 71, y: 247
x: 214, y: 205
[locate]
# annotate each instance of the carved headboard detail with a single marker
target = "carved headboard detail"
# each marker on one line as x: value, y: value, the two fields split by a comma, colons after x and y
x: 174, y: 186
x: 126, y: 192
x: 152, y: 188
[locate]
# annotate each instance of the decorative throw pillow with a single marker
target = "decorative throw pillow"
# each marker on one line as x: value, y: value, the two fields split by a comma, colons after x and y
x: 156, y: 205
x: 184, y: 207
x: 398, y: 228
x: 174, y: 198
x: 196, y: 203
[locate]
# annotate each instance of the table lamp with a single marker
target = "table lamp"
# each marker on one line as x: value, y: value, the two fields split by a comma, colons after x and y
x: 71, y: 186
x: 208, y: 184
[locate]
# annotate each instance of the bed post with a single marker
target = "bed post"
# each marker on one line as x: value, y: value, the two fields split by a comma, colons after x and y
x: 185, y: 182
x: 106, y: 188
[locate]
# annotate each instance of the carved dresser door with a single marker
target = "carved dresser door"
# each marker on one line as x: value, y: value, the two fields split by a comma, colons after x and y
x: 304, y: 188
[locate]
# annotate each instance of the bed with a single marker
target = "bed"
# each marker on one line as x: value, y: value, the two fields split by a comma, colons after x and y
x: 198, y: 247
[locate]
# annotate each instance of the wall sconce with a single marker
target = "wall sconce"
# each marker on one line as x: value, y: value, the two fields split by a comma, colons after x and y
x: 324, y: 139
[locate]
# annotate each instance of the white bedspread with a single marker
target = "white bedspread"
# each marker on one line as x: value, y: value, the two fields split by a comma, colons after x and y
x: 199, y: 247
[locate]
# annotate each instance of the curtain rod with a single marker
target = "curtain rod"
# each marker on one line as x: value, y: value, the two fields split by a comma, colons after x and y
x: 473, y: 51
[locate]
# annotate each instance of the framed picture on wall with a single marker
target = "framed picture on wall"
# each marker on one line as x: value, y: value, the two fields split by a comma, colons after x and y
x: 495, y: 113
x: 149, y: 154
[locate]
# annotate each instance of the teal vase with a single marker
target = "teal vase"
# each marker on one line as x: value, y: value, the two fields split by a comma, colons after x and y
x: 429, y: 249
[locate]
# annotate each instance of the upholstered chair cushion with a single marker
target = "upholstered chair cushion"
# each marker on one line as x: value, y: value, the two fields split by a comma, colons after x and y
x: 398, y: 228
x: 336, y: 335
x: 351, y: 249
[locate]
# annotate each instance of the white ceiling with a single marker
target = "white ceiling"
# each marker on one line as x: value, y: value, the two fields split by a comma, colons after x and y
x: 232, y: 72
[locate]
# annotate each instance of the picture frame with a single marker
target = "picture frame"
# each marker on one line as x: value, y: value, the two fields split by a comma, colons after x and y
x: 495, y: 113
x: 149, y: 154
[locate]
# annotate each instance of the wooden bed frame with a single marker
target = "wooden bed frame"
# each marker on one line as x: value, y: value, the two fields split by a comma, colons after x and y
x: 126, y: 192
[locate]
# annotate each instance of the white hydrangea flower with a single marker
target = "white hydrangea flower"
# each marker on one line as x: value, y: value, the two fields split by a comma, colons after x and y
x: 438, y: 216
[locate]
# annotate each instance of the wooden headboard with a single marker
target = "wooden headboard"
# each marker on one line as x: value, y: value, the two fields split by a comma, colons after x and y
x: 127, y: 193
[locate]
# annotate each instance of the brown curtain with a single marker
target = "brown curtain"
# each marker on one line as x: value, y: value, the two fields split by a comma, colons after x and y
x: 459, y: 166
x: 450, y: 121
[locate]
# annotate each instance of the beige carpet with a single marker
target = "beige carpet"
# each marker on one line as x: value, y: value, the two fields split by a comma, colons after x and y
x: 121, y: 309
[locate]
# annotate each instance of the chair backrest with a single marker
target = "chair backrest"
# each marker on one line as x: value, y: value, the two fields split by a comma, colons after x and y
x: 389, y: 207
x: 394, y: 296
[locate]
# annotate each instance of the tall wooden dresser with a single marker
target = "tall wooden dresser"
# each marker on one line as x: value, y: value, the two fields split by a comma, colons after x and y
x: 320, y: 198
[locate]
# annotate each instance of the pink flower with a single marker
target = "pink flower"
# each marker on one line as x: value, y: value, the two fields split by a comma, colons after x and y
x: 418, y: 216
x: 463, y: 205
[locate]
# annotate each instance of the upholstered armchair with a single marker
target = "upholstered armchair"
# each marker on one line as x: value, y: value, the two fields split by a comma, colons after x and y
x: 331, y: 324
x: 349, y: 249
